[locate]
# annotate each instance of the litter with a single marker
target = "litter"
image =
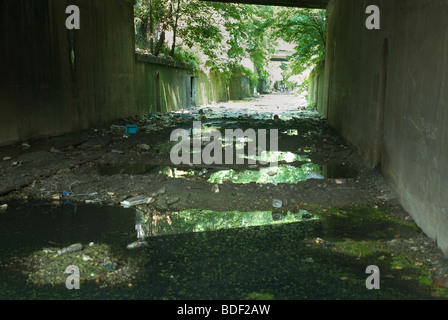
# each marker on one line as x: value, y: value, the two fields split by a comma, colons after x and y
x: 136, y: 244
x: 136, y: 200
x: 131, y: 129
x: 71, y: 248
x: 277, y: 203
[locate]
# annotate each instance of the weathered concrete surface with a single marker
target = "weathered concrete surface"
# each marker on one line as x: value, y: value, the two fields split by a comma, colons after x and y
x: 386, y: 92
x: 316, y: 82
x: 54, y: 80
x: 161, y: 85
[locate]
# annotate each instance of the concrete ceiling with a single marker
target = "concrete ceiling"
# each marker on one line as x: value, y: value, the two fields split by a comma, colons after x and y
x: 316, y: 4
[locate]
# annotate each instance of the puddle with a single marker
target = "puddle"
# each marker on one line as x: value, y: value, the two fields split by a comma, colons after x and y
x: 278, y: 156
x: 204, y: 254
x: 277, y: 174
x: 155, y: 223
x: 338, y: 171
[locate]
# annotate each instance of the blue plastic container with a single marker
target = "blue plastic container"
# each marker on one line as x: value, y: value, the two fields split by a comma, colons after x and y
x: 131, y: 128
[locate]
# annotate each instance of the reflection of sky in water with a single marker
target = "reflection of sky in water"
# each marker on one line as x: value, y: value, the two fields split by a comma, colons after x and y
x: 154, y: 223
x: 278, y: 156
x: 279, y: 174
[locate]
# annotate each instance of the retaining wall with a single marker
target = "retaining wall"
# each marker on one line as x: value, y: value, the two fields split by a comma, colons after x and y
x: 386, y: 92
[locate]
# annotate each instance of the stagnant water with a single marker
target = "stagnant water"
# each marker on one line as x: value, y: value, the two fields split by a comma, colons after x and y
x: 200, y: 254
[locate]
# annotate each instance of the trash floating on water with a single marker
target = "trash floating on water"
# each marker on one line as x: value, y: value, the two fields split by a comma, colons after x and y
x: 4, y: 207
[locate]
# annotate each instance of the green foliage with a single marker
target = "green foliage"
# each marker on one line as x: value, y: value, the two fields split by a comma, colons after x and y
x: 307, y: 29
x: 223, y: 33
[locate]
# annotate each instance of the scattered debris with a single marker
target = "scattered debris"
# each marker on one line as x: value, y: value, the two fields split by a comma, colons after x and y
x: 215, y: 188
x: 277, y: 203
x: 71, y: 248
x: 136, y: 200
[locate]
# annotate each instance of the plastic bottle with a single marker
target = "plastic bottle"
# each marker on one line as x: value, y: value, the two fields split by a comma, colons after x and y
x: 71, y: 248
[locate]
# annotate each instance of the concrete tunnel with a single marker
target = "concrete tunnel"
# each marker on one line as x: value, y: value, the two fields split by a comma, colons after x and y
x: 384, y: 90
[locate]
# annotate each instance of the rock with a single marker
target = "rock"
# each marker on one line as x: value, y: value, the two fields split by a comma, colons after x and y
x: 109, y: 266
x: 441, y: 282
x: 86, y: 258
x: 63, y: 171
x: 161, y: 191
x: 215, y: 188
x: 144, y: 146
x: 327, y: 244
x: 6, y: 158
x: 306, y: 214
x: 314, y: 175
x: 54, y: 150
x: 172, y: 200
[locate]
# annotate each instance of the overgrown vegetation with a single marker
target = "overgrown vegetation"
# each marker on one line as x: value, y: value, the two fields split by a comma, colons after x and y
x: 229, y: 38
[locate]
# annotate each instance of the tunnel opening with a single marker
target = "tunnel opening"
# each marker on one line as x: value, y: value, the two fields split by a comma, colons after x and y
x: 151, y: 229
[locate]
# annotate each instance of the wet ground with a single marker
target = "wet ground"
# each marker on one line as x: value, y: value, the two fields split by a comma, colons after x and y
x: 306, y: 228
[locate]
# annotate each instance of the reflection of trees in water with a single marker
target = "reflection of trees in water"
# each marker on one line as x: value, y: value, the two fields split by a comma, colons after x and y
x: 154, y: 222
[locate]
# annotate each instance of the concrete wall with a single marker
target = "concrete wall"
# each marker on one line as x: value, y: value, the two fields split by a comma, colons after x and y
x: 53, y: 80
x: 316, y: 82
x: 386, y: 92
x: 239, y: 87
x: 178, y: 86
x: 161, y: 85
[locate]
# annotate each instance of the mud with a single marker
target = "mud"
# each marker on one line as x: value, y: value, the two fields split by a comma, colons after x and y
x: 104, y: 166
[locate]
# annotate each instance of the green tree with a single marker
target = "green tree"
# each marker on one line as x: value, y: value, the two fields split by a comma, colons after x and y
x: 224, y: 33
x: 307, y: 29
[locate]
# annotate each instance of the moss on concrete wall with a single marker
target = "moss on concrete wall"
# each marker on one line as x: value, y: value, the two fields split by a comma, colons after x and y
x: 55, y: 80
x: 386, y: 92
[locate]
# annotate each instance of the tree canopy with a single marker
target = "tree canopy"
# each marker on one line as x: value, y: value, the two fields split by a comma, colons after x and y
x: 228, y: 37
x: 307, y: 29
